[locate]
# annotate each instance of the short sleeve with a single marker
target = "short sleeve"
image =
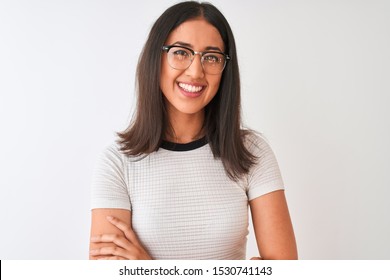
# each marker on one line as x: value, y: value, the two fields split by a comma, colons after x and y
x: 109, y: 187
x: 264, y: 177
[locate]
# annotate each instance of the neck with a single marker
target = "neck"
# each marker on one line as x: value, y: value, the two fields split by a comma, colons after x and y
x: 186, y: 128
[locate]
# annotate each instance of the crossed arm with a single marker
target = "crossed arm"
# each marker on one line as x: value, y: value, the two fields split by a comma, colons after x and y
x: 113, y: 237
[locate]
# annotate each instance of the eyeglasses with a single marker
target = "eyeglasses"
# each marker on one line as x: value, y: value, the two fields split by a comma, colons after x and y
x: 180, y: 58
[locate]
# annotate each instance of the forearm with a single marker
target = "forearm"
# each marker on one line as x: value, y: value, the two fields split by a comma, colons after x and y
x: 100, y: 225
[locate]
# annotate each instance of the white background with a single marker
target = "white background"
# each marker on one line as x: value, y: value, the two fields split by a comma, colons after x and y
x: 315, y: 81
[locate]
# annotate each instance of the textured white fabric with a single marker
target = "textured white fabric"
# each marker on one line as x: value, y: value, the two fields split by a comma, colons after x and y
x: 183, y: 204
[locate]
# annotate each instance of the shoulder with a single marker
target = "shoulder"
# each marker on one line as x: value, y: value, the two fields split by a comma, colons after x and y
x: 266, y: 162
x: 110, y: 162
x: 112, y: 152
x: 256, y: 142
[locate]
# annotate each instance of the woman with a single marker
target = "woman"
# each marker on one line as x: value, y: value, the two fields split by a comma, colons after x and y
x: 178, y: 182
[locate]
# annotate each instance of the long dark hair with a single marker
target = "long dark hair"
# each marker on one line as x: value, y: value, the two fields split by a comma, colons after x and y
x: 222, y: 115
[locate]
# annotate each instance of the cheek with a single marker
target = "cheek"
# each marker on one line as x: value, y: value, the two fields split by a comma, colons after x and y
x: 168, y: 76
x: 214, y: 84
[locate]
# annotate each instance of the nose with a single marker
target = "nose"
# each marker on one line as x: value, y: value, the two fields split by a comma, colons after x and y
x: 196, y: 69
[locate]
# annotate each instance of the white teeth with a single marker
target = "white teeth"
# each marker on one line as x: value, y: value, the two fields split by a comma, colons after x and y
x: 190, y: 88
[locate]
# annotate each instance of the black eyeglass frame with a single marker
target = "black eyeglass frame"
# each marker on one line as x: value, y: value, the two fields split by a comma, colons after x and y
x: 166, y: 49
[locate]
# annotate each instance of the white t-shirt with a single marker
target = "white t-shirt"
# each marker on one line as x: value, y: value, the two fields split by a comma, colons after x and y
x: 183, y: 205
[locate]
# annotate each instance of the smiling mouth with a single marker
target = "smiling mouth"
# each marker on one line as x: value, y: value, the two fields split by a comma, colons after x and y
x: 191, y: 88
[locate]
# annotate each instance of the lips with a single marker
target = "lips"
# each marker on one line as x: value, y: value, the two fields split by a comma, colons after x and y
x: 190, y: 88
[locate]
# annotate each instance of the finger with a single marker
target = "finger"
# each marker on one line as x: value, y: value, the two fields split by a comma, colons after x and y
x: 110, y: 252
x: 118, y: 240
x: 126, y: 229
x: 256, y: 258
x: 103, y: 238
x: 111, y: 258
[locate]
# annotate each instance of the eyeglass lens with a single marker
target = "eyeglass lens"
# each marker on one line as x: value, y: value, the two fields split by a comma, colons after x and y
x: 181, y: 58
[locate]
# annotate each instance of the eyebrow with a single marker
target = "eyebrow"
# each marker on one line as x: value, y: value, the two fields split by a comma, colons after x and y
x: 208, y: 48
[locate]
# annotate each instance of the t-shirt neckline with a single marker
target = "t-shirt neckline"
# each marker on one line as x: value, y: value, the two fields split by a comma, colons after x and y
x: 180, y: 147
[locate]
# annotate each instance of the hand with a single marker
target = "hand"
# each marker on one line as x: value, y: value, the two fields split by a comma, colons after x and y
x: 256, y: 258
x: 127, y: 247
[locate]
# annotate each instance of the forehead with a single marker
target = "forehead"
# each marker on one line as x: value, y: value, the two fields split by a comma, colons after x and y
x: 198, y: 33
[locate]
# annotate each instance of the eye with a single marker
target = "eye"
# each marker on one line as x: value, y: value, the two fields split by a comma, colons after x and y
x: 180, y: 53
x: 213, y: 58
